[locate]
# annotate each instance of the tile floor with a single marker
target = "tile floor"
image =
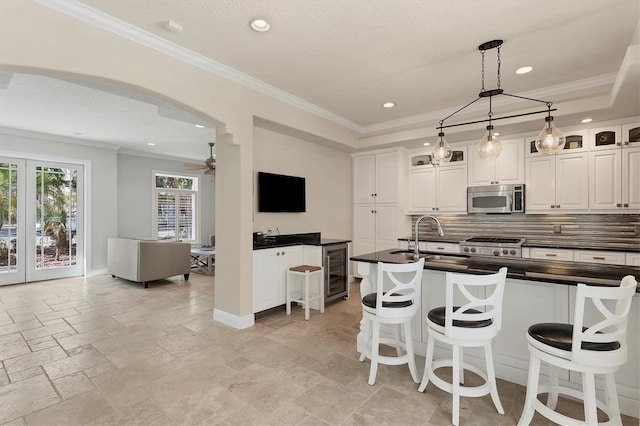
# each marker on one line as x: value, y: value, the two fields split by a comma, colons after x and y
x: 104, y: 351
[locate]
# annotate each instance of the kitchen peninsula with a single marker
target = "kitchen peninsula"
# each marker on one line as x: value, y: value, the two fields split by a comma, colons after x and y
x: 536, y: 291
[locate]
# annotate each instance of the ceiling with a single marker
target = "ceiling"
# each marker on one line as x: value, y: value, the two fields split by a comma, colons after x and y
x: 346, y: 58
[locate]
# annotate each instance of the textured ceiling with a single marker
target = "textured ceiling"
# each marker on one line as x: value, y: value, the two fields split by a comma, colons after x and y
x: 349, y: 56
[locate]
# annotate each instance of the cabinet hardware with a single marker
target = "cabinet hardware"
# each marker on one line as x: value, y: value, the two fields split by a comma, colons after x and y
x: 557, y: 206
x: 625, y: 205
x: 550, y: 254
x: 598, y: 258
x: 278, y: 254
x: 375, y: 195
x: 618, y: 205
x: 625, y: 143
x: 619, y: 143
x: 439, y: 248
x: 553, y: 206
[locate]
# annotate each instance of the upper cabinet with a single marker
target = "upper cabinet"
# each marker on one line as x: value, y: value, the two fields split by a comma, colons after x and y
x: 614, y: 163
x: 376, y: 178
x: 575, y: 141
x: 439, y: 188
x: 508, y: 168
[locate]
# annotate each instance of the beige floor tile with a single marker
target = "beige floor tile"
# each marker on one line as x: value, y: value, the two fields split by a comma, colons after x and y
x: 25, y: 397
x: 19, y: 326
x: 80, y: 339
x: 44, y: 317
x: 73, y: 385
x: 34, y: 359
x: 82, y: 409
x: 12, y: 345
x: 16, y: 376
x: 56, y: 327
x: 73, y: 364
x: 329, y: 401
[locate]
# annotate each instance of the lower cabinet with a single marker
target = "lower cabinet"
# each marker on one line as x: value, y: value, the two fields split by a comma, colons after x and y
x: 270, y: 274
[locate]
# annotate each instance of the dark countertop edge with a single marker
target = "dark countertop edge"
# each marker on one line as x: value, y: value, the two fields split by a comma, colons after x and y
x: 573, y: 245
x: 323, y: 242
x: 558, y: 272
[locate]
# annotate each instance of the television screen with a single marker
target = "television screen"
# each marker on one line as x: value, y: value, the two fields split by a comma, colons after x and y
x: 280, y: 193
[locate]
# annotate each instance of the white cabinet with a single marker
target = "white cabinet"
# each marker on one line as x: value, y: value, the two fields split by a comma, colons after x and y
x: 438, y: 188
x: 442, y: 247
x: 596, y: 256
x: 632, y: 259
x: 375, y: 178
x: 626, y: 135
x: 544, y: 253
x: 508, y: 168
x: 575, y: 141
x: 270, y: 273
x: 557, y: 182
x: 614, y: 182
x: 378, y: 214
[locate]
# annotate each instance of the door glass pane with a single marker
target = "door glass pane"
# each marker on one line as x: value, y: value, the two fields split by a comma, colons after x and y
x: 56, y: 217
x: 8, y: 216
x: 166, y: 216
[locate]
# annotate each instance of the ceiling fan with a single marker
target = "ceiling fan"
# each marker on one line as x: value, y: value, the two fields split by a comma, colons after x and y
x: 209, y: 165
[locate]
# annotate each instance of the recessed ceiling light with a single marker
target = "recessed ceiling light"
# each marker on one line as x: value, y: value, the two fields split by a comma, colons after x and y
x: 151, y: 144
x: 496, y: 133
x: 388, y: 105
x: 77, y: 133
x: 259, y: 25
x: 426, y: 144
x: 587, y: 120
x: 524, y: 70
x: 199, y: 126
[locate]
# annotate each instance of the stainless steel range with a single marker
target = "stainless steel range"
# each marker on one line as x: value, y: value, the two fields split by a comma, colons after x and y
x: 492, y: 246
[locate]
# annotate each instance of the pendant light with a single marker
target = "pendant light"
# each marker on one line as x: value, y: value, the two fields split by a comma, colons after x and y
x: 441, y: 152
x: 549, y: 141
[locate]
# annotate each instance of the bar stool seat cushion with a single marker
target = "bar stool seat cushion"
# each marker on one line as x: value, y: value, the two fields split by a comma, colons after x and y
x: 560, y: 336
x: 371, y: 299
x: 437, y: 316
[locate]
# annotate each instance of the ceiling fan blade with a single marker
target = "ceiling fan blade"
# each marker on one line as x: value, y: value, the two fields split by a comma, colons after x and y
x: 210, y: 172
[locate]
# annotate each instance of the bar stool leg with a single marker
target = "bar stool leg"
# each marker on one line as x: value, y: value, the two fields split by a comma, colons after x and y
x: 408, y: 336
x: 491, y: 377
x: 552, y: 397
x: 611, y: 398
x: 375, y: 345
x: 589, y: 392
x: 456, y: 386
x: 427, y: 364
x: 321, y: 289
x: 532, y: 392
x: 288, y: 293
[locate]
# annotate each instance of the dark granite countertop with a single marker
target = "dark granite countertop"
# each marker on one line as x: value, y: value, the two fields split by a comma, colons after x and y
x: 560, y: 243
x: 570, y: 273
x: 287, y: 240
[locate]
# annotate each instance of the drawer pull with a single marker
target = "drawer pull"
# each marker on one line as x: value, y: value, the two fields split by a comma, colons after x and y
x: 439, y: 248
x: 598, y: 258
x: 551, y: 254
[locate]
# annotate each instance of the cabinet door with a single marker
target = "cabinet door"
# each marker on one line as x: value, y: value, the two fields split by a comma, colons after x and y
x: 452, y: 191
x: 540, y: 183
x: 364, y: 170
x: 605, y: 137
x: 572, y: 182
x: 631, y: 178
x: 631, y: 134
x: 509, y: 166
x: 551, y: 254
x: 266, y: 279
x: 363, y: 228
x: 593, y: 256
x: 481, y: 171
x: 422, y: 190
x: 605, y: 179
x: 386, y: 226
x: 386, y: 178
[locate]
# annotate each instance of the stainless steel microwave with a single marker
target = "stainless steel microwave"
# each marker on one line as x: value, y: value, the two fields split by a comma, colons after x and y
x: 495, y: 199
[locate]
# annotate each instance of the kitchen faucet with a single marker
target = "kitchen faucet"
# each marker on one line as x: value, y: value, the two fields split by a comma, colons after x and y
x: 416, y: 251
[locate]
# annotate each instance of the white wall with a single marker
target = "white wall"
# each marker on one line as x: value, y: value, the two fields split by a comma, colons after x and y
x: 100, y: 183
x: 135, y: 179
x: 328, y: 184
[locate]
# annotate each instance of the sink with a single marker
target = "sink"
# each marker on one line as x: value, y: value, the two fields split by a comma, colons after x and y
x: 408, y: 254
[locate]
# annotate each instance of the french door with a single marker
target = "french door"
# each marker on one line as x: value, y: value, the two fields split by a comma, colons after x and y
x: 41, y: 218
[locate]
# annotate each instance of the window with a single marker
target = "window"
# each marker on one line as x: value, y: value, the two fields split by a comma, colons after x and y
x: 176, y: 200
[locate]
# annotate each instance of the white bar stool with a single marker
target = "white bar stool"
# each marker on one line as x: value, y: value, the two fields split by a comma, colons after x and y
x: 306, y: 271
x: 598, y: 349
x: 472, y: 323
x: 395, y: 302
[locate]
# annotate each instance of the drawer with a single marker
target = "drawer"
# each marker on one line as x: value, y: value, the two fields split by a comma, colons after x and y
x: 632, y: 259
x: 550, y: 254
x: 443, y: 247
x: 593, y: 256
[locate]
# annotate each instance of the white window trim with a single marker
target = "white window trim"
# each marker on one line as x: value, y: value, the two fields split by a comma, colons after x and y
x: 154, y: 201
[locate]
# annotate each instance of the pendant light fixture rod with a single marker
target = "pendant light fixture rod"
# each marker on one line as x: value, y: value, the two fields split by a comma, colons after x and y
x: 454, y: 113
x: 528, y: 99
x: 495, y: 118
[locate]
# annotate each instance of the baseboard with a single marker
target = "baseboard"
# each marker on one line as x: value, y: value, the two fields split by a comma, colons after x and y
x: 95, y: 272
x: 234, y: 321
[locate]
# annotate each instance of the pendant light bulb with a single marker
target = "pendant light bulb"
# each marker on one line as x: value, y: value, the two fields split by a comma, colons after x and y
x: 550, y: 139
x: 490, y: 146
x: 441, y: 152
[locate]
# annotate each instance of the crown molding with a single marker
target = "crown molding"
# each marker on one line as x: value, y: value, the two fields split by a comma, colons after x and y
x: 99, y: 19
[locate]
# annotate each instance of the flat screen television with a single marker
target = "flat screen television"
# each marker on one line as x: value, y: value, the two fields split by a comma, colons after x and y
x: 281, y: 193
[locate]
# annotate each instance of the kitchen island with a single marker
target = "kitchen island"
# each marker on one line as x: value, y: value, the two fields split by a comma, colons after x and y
x: 536, y: 291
